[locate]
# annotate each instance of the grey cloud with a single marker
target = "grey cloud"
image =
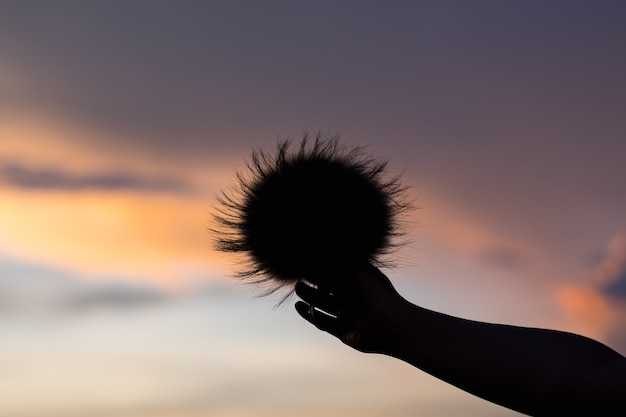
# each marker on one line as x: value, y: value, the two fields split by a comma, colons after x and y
x: 504, y: 257
x: 617, y: 288
x: 56, y: 179
x: 617, y: 331
x: 78, y: 300
x: 111, y: 296
x: 611, y: 269
x: 613, y: 289
x: 26, y: 288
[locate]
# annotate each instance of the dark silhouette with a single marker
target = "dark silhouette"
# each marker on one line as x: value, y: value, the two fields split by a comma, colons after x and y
x: 538, y: 372
x: 298, y: 212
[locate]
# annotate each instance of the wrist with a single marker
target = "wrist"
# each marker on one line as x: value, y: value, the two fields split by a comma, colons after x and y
x: 401, y: 329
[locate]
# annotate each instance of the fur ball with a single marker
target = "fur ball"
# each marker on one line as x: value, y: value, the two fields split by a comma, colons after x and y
x: 310, y: 211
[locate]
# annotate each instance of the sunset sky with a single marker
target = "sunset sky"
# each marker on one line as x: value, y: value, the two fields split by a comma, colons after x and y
x: 120, y: 122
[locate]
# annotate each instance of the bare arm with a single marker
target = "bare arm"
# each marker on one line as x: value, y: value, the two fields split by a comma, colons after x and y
x: 534, y: 371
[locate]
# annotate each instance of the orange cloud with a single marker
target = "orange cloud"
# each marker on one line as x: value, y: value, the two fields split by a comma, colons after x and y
x: 586, y: 309
x: 98, y: 233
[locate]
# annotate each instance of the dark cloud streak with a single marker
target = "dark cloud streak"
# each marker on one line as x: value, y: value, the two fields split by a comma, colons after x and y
x: 503, y: 257
x: 27, y: 288
x: 56, y: 179
x: 617, y: 288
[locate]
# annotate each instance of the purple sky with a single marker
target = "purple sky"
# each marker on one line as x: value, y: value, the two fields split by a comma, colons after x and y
x: 119, y: 121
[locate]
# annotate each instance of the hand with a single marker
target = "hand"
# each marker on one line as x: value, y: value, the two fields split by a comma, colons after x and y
x: 363, y: 312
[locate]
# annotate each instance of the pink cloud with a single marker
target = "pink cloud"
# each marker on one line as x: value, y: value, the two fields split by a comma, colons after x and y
x: 592, y: 308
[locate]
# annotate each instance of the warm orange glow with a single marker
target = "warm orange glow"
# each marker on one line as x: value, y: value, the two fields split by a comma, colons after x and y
x: 99, y: 233
x: 588, y: 312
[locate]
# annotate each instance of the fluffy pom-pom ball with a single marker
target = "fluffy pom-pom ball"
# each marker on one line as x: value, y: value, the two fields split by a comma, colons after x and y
x: 309, y: 211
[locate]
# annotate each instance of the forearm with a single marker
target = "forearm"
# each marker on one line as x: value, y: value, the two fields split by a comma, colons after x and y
x: 529, y: 370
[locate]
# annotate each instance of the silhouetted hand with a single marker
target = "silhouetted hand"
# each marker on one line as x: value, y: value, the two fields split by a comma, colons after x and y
x: 534, y: 371
x: 361, y: 313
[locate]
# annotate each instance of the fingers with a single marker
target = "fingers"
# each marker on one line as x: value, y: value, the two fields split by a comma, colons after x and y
x: 350, y: 309
x: 318, y: 318
x: 322, y: 300
x: 320, y: 308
